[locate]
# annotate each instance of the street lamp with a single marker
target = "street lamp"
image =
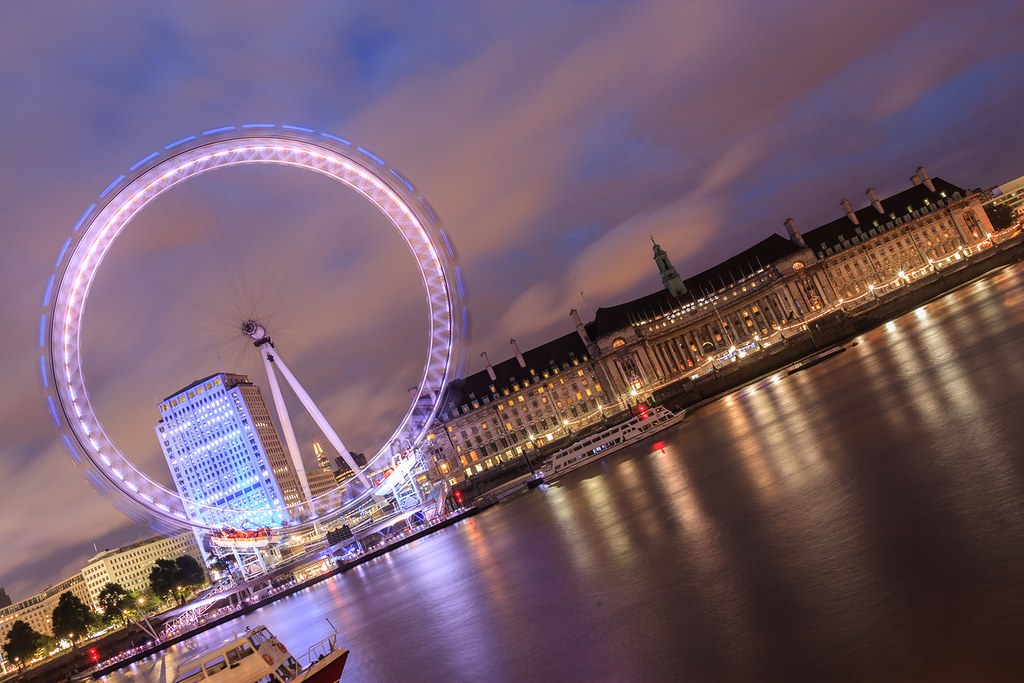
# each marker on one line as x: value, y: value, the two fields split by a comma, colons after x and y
x: 149, y: 627
x: 526, y: 454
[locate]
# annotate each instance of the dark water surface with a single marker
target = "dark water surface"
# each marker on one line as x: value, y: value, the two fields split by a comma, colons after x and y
x: 860, y: 520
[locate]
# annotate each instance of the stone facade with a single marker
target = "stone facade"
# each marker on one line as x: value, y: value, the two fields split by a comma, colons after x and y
x: 771, y: 291
x: 130, y: 565
x: 765, y: 295
x: 512, y: 409
x: 37, y: 611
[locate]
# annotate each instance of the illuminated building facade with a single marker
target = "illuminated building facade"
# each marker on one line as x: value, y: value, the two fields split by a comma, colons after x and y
x: 765, y: 295
x: 1011, y: 195
x: 37, y: 611
x: 223, y: 451
x: 771, y: 291
x: 321, y: 478
x: 510, y: 409
x: 342, y: 472
x: 130, y: 565
x: 321, y: 481
x: 900, y: 238
x: 728, y: 310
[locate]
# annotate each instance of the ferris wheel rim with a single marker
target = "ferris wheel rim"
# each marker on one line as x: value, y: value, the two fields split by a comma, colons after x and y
x: 103, y: 221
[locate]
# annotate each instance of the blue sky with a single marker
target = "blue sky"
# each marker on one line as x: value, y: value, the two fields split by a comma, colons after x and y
x: 551, y: 137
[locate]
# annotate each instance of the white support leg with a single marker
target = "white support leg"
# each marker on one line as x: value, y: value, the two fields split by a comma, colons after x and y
x: 270, y: 359
x: 319, y: 419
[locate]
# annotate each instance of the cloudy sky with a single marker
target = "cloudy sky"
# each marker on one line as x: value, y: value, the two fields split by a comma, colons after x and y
x: 552, y: 137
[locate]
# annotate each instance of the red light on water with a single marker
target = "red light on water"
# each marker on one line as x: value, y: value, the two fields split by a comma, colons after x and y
x: 658, y: 446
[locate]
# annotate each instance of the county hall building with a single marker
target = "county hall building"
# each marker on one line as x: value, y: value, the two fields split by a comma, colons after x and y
x: 693, y: 326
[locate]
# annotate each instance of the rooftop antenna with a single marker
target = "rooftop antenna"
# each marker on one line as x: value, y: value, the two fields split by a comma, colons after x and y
x: 592, y: 311
x: 585, y: 299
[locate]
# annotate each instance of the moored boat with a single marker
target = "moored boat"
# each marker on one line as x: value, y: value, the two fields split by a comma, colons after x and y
x: 594, y: 447
x: 258, y: 657
x: 815, y: 359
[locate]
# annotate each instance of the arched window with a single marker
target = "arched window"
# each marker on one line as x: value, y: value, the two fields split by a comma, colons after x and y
x: 972, y: 223
x: 619, y: 341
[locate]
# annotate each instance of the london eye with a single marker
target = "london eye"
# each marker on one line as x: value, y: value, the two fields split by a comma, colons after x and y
x: 83, y: 252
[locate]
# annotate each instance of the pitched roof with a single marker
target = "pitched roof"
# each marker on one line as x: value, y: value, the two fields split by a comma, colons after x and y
x: 917, y: 198
x: 564, y: 349
x: 747, y: 262
x: 609, y: 319
x: 769, y: 250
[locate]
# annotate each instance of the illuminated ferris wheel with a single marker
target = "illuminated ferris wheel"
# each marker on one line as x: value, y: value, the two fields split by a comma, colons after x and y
x: 103, y: 221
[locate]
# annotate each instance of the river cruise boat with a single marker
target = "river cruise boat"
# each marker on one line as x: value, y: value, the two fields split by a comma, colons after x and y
x: 258, y: 657
x: 640, y: 426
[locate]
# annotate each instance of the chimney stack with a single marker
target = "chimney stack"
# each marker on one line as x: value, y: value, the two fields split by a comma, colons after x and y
x: 874, y: 200
x: 794, y: 235
x: 490, y: 368
x: 519, y: 356
x: 845, y: 203
x: 580, y: 329
x: 916, y: 179
x: 927, y: 181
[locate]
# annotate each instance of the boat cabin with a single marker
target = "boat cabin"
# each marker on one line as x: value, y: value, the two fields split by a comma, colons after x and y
x: 255, y: 657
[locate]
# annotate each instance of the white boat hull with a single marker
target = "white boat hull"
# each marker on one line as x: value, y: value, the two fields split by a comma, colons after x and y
x: 608, y: 442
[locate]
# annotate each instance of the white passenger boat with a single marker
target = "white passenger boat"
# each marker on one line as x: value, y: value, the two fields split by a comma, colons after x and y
x: 609, y: 441
x: 258, y: 657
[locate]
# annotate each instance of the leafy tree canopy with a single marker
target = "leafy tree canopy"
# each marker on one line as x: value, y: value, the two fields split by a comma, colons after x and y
x: 115, y: 601
x: 172, y: 577
x: 1000, y: 215
x: 71, y: 617
x: 23, y: 642
x: 163, y: 578
x: 190, y: 572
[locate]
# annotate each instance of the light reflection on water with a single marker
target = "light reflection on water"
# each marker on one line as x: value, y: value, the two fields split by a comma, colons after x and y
x: 860, y: 520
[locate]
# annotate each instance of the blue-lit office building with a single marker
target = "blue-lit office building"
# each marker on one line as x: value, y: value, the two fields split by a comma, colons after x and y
x: 225, y: 454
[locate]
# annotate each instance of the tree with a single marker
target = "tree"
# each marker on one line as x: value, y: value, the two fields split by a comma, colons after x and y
x: 71, y: 618
x: 163, y: 579
x: 1000, y: 215
x: 171, y: 577
x: 190, y: 572
x: 23, y: 642
x: 115, y: 601
x: 148, y: 601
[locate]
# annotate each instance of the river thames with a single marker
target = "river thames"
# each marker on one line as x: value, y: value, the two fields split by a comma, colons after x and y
x: 860, y: 520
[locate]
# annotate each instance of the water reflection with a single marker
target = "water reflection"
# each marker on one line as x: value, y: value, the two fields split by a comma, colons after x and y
x: 863, y: 519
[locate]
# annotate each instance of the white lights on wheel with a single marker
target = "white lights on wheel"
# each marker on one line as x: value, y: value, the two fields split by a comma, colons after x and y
x: 99, y: 226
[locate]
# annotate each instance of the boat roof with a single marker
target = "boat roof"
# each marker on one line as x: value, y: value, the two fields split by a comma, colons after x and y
x: 214, y: 649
